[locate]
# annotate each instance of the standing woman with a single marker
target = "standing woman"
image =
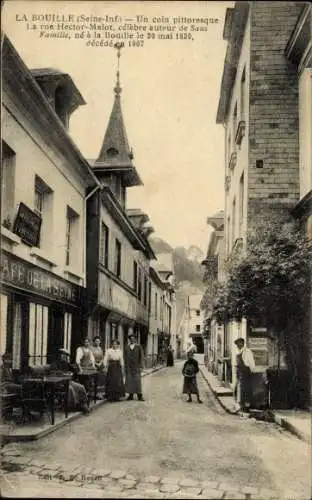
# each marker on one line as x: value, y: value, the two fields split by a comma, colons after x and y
x: 170, y: 361
x: 98, y: 355
x: 84, y: 356
x: 114, y: 367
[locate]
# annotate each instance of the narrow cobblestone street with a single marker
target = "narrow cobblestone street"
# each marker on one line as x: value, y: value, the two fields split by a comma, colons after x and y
x: 162, y: 447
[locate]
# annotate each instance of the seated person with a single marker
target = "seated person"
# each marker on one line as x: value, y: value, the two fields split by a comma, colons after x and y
x: 7, y: 382
x: 77, y: 397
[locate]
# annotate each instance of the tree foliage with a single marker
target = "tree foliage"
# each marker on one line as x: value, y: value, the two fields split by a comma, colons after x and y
x: 271, y: 281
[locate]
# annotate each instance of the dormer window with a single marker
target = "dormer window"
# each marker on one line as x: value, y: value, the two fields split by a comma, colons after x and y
x: 111, y: 152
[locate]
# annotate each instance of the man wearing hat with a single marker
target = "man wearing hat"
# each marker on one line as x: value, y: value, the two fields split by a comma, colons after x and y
x: 133, y: 365
x: 245, y: 366
x: 77, y: 396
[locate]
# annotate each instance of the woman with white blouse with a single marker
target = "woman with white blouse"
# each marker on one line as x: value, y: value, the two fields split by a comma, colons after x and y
x: 84, y: 356
x: 114, y: 367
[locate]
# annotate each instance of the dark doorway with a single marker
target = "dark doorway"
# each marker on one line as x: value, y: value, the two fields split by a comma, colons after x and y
x: 56, y: 331
x: 199, y: 342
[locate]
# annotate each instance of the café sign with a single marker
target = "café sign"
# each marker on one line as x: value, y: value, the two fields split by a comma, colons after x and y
x: 24, y: 275
x: 27, y: 225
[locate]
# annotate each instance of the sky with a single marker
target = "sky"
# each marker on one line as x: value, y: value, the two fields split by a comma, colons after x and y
x: 170, y: 94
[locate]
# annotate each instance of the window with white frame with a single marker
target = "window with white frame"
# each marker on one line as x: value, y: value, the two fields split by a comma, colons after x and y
x: 38, y: 334
x: 243, y: 94
x: 17, y: 336
x: 156, y: 305
x: 235, y: 121
x: 117, y: 258
x: 139, y: 283
x: 233, y: 220
x: 67, y: 331
x: 104, y: 245
x: 135, y: 276
x: 7, y: 184
x: 72, y: 222
x: 3, y: 322
x: 43, y: 199
x: 228, y: 234
x: 241, y: 201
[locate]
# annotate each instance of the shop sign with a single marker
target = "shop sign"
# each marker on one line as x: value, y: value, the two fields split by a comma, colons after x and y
x: 27, y: 225
x: 24, y: 275
x: 113, y: 296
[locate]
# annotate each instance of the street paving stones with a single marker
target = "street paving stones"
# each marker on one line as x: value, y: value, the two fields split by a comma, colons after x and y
x: 203, y: 453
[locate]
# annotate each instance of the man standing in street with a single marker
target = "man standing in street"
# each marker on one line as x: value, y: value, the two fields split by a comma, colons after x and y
x: 133, y: 366
x: 245, y: 366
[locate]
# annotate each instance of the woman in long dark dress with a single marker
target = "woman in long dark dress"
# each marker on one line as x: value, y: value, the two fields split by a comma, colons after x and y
x: 114, y: 367
x: 170, y: 361
x: 99, y: 363
x: 189, y: 371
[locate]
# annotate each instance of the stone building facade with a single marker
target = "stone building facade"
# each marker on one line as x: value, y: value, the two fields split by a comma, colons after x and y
x: 259, y: 108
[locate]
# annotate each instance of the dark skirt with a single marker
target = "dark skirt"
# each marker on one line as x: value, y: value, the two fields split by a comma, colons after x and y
x: 170, y: 359
x: 115, y: 388
x: 101, y: 381
x: 190, y: 385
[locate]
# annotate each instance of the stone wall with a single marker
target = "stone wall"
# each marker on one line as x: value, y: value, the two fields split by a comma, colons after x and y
x: 273, y: 177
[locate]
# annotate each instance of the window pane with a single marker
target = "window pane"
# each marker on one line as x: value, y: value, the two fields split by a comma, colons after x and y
x: 32, y: 333
x: 3, y: 322
x: 38, y: 334
x: 45, y: 334
x: 17, y: 335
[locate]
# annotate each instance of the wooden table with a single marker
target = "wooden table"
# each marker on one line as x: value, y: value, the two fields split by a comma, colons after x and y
x: 85, y: 376
x: 51, y: 382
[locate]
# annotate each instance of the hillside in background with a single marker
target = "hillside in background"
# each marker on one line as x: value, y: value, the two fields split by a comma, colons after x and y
x: 187, y: 267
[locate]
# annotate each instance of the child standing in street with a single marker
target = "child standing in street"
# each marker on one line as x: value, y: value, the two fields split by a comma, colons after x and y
x: 189, y: 371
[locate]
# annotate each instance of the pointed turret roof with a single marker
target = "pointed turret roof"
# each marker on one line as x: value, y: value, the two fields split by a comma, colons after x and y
x: 115, y: 154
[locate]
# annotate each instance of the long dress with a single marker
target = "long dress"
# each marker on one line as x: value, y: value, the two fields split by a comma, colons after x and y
x: 114, y: 365
x: 133, y: 366
x: 190, y: 369
x: 98, y: 355
x: 170, y: 361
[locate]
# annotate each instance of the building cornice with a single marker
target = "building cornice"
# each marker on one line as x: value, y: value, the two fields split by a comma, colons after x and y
x: 235, y: 34
x: 22, y: 88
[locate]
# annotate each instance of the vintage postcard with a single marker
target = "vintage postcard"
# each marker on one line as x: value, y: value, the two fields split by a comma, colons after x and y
x: 156, y: 225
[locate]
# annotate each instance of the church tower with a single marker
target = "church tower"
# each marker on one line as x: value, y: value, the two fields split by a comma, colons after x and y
x: 114, y: 165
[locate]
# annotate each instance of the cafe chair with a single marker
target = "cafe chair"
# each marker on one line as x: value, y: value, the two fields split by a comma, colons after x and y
x: 35, y: 400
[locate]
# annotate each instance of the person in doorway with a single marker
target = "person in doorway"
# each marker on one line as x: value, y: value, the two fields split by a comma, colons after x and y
x: 77, y: 395
x: 170, y: 361
x: 84, y: 356
x: 189, y: 371
x: 190, y: 347
x: 114, y: 367
x: 133, y: 365
x: 98, y: 355
x: 245, y: 366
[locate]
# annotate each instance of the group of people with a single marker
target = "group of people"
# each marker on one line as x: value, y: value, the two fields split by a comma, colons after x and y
x: 118, y: 374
